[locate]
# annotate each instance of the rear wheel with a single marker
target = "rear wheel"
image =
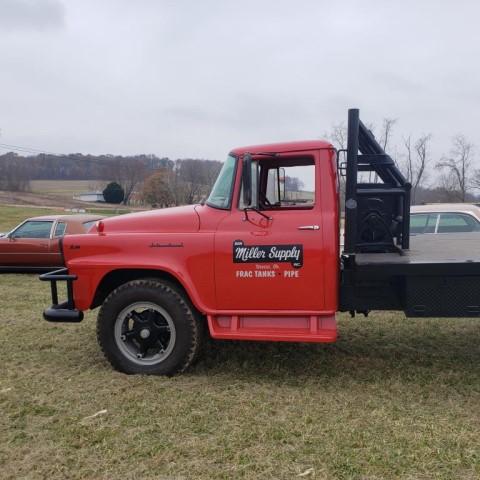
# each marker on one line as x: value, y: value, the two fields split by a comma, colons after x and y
x: 148, y: 327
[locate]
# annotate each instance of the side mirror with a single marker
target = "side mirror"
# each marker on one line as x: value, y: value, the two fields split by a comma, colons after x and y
x: 341, y: 165
x: 247, y: 179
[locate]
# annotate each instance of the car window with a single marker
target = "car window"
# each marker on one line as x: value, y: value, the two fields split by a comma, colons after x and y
x: 89, y: 225
x: 418, y: 222
x: 60, y: 229
x: 457, y: 222
x: 33, y: 229
x: 431, y: 223
x: 423, y: 222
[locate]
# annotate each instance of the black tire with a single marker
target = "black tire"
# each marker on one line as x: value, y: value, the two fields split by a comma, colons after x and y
x: 201, y: 320
x: 171, y: 312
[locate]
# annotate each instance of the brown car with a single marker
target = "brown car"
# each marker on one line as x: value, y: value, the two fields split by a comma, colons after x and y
x: 34, y: 244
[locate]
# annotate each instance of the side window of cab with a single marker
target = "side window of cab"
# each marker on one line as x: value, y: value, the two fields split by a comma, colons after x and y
x: 291, y: 186
x: 281, y: 183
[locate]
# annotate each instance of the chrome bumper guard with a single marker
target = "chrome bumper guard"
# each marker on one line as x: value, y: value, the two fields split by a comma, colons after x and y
x: 65, y: 311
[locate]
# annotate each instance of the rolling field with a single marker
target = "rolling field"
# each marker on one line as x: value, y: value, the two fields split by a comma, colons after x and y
x: 12, y: 216
x: 394, y: 398
x: 54, y: 193
x: 65, y: 188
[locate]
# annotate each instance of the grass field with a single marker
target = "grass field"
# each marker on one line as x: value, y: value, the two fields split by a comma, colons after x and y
x: 52, y: 193
x: 12, y: 216
x: 394, y: 398
x: 65, y: 188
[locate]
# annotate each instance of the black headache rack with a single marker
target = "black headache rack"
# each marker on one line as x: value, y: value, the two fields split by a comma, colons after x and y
x: 377, y: 213
x: 65, y: 311
x: 380, y: 269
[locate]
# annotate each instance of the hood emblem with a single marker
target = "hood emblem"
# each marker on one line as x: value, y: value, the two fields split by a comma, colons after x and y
x: 166, y: 245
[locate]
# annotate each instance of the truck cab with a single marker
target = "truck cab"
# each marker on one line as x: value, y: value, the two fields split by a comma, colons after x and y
x: 259, y: 259
x: 276, y: 246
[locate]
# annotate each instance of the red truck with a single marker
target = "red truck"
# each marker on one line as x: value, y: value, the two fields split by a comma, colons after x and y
x: 260, y: 259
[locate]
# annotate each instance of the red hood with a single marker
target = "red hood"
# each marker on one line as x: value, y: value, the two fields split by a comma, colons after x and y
x: 176, y: 219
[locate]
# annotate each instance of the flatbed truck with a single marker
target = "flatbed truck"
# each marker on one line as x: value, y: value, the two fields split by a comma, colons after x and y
x: 261, y: 260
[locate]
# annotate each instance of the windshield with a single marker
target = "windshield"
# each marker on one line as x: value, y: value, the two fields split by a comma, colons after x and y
x: 221, y: 194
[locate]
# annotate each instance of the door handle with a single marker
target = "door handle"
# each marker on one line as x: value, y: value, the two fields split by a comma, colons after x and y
x: 309, y: 227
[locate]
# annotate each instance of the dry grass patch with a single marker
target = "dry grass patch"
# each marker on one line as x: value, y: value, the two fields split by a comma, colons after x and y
x: 395, y: 398
x: 10, y: 217
x: 66, y: 188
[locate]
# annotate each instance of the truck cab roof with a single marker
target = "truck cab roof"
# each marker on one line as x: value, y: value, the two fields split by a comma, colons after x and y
x: 284, y: 147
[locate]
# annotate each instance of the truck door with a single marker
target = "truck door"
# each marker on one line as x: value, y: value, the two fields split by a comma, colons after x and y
x: 272, y: 259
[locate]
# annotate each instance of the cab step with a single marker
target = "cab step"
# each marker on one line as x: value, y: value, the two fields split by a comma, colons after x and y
x: 305, y: 328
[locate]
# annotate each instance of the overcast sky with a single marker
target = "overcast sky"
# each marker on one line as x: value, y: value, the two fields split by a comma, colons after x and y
x: 196, y: 78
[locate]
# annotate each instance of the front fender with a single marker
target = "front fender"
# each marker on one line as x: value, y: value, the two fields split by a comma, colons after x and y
x: 188, y: 257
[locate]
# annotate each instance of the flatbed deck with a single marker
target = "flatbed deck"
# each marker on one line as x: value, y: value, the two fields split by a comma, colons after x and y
x: 439, y: 276
x: 452, y: 253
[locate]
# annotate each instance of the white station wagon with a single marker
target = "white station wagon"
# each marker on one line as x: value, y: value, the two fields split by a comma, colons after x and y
x: 444, y: 218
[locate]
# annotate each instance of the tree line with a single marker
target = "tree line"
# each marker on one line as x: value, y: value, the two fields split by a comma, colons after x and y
x: 145, y: 178
x: 148, y: 179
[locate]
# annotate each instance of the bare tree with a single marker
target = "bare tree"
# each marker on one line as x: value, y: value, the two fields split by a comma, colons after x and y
x: 194, y: 178
x: 416, y: 161
x: 386, y: 132
x: 128, y: 172
x: 457, y: 165
x: 293, y: 184
x: 338, y: 135
x: 14, y: 173
x: 476, y: 180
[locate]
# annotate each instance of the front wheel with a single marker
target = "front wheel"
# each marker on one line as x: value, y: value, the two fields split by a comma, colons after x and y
x: 148, y: 327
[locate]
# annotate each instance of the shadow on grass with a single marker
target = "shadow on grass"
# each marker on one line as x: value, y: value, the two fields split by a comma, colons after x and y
x: 364, y: 354
x: 367, y: 350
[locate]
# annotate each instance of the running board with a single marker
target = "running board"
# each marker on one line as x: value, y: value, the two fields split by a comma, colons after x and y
x: 308, y: 328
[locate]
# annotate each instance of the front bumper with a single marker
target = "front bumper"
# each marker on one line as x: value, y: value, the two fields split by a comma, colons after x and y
x: 65, y: 311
